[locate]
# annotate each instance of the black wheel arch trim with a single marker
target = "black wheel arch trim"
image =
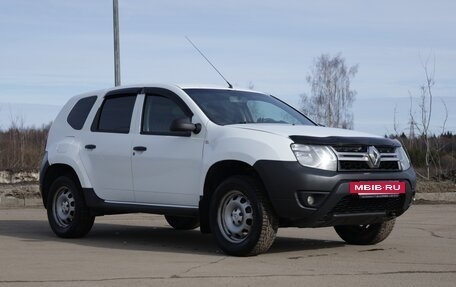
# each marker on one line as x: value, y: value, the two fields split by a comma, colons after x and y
x: 44, y: 167
x: 215, y: 175
x: 50, y: 172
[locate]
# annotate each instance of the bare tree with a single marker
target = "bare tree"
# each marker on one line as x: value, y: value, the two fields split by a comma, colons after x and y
x: 430, y: 151
x: 439, y: 145
x: 446, y: 116
x: 432, y: 144
x: 425, y: 110
x: 331, y: 96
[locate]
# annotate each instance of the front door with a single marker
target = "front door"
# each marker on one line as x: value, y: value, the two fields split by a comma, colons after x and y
x: 166, y: 165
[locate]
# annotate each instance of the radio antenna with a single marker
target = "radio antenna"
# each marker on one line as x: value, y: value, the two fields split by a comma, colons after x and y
x: 201, y: 53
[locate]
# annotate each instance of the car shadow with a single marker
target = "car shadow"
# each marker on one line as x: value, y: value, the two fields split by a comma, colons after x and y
x: 146, y: 238
x: 289, y: 244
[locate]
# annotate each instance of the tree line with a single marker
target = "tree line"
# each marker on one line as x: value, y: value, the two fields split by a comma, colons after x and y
x: 437, y: 163
x: 21, y: 148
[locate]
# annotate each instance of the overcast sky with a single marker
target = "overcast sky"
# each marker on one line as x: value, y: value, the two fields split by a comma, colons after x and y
x: 51, y: 50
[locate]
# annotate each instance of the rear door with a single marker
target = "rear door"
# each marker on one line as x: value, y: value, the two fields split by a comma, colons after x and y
x: 107, y: 147
x: 166, y: 165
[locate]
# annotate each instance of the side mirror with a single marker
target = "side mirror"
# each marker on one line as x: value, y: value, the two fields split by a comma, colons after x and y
x: 184, y: 125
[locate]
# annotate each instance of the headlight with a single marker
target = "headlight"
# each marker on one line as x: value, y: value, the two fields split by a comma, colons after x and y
x: 403, y: 158
x: 316, y: 156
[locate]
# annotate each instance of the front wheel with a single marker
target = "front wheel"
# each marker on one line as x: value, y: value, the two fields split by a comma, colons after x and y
x: 365, y: 234
x: 241, y: 217
x: 67, y: 212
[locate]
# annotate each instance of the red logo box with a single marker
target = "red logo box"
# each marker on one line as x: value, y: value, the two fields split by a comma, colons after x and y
x: 377, y: 187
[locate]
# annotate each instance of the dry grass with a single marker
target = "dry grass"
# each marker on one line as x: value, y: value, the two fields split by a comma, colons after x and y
x: 430, y: 186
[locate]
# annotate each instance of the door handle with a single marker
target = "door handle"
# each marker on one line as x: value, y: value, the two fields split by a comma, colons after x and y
x: 140, y: 148
x: 90, y: 146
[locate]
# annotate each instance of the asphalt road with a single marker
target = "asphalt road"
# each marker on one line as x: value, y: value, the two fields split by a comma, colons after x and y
x: 141, y: 250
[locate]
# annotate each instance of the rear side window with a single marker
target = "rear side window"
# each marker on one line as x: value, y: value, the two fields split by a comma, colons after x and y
x: 78, y: 115
x: 115, y: 115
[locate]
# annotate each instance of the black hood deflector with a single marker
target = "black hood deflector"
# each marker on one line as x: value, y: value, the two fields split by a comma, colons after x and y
x: 345, y: 141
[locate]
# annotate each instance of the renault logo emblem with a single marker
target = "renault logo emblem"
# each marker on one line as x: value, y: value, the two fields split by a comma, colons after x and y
x: 373, y: 157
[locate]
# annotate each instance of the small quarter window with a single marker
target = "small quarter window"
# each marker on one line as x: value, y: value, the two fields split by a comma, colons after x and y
x: 78, y: 115
x: 115, y: 115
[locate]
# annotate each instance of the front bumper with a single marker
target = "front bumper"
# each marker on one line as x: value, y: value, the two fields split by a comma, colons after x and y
x: 288, y: 184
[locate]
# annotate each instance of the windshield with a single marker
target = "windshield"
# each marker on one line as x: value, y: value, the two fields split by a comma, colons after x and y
x: 227, y: 107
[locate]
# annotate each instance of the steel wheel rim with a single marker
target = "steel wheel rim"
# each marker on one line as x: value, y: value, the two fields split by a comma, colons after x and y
x: 235, y: 216
x: 64, y: 207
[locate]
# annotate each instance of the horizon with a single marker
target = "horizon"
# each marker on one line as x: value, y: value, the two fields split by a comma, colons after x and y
x: 379, y: 121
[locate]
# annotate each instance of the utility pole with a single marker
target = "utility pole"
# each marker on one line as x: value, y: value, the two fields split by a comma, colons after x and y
x: 115, y: 5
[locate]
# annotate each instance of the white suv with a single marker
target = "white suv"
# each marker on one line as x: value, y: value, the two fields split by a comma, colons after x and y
x: 237, y: 163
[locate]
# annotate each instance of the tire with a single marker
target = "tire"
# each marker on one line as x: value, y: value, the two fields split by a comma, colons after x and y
x: 67, y: 212
x: 182, y: 222
x: 365, y: 234
x: 242, y: 218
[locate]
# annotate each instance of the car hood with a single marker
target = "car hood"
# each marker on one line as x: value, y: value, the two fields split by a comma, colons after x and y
x: 301, y: 130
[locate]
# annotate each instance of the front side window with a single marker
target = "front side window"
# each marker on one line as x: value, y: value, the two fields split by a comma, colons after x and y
x: 159, y: 112
x: 227, y: 107
x: 115, y: 115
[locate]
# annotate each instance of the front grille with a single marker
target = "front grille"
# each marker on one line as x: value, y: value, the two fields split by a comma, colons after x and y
x: 350, y: 148
x: 363, y: 148
x: 390, y: 165
x: 354, y: 204
x: 386, y: 149
x: 362, y: 165
x: 353, y: 165
x: 356, y: 158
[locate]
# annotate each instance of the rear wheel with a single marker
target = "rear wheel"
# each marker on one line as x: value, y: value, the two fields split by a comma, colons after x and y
x: 182, y: 222
x: 365, y: 234
x: 241, y: 217
x: 67, y: 212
